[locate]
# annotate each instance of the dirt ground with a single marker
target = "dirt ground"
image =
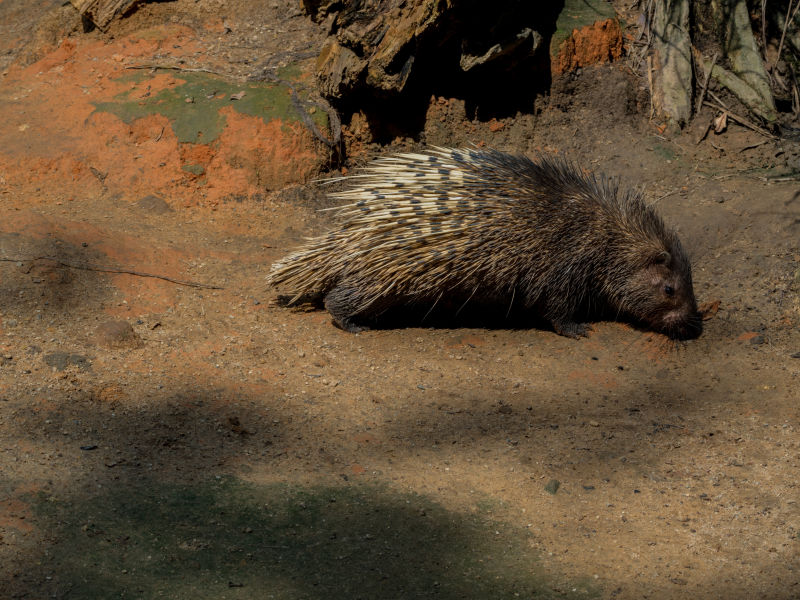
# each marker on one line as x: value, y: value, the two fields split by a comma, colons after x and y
x: 166, y: 440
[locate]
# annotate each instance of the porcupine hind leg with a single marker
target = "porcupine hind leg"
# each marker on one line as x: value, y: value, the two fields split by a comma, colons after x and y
x: 343, y: 302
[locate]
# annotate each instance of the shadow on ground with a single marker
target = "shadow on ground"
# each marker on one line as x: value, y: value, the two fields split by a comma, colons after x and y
x: 153, y: 516
x: 35, y: 276
x: 226, y: 538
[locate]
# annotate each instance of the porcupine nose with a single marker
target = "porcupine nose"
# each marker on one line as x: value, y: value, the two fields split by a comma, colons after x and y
x: 682, y: 324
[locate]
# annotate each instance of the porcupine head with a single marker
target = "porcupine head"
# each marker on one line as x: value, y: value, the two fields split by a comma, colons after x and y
x: 586, y: 248
x: 649, y: 276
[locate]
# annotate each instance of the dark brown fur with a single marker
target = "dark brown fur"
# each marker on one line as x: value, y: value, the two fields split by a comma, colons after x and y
x: 473, y: 224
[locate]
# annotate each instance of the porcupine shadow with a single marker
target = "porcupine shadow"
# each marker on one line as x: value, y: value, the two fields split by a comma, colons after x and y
x: 472, y: 313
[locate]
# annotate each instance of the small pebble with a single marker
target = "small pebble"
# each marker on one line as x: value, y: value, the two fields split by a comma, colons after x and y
x: 154, y: 205
x: 552, y: 486
x: 61, y: 360
x: 116, y: 335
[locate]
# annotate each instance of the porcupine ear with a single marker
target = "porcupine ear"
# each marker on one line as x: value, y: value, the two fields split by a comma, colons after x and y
x: 661, y: 258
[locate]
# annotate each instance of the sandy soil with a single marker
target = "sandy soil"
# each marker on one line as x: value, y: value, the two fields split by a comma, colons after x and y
x: 168, y: 440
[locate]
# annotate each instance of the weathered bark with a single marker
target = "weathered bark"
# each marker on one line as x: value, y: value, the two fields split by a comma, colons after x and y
x: 376, y: 46
x: 525, y: 37
x: 746, y: 94
x: 102, y: 12
x: 672, y: 65
x: 745, y: 59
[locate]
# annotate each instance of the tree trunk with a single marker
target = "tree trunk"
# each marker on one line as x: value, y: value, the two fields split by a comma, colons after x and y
x: 672, y: 65
x: 740, y: 47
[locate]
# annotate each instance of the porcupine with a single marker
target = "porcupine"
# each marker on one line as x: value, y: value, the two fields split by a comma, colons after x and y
x: 466, y: 224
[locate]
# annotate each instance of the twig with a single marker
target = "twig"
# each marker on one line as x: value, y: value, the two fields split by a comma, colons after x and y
x: 780, y: 179
x: 756, y: 145
x: 785, y: 27
x: 764, y: 29
x: 741, y: 120
x: 718, y: 100
x: 795, y: 92
x: 105, y: 269
x: 650, y: 86
x: 299, y: 105
x: 173, y: 68
x: 660, y: 198
x: 683, y: 191
x: 703, y: 90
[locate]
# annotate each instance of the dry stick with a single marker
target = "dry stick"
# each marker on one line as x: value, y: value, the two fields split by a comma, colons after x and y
x: 104, y: 269
x: 718, y: 100
x: 764, y: 28
x: 335, y: 123
x: 703, y: 96
x: 741, y: 120
x: 174, y: 68
x: 705, y: 84
x: 660, y: 198
x: 756, y: 145
x: 785, y: 27
x: 650, y: 86
x: 795, y: 92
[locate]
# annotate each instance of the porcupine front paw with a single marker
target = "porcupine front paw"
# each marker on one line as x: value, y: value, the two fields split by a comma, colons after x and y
x: 349, y: 325
x: 571, y: 329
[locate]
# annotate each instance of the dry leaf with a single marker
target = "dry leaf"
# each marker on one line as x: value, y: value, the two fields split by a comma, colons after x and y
x: 707, y: 310
x: 721, y: 123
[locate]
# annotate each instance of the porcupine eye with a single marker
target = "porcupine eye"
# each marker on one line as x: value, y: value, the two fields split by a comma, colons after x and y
x: 669, y: 290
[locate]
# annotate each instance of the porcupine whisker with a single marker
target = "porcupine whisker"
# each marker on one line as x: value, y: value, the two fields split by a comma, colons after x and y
x: 510, y: 304
x: 619, y: 312
x: 430, y: 310
x: 467, y: 300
